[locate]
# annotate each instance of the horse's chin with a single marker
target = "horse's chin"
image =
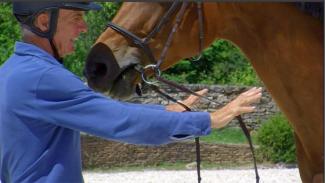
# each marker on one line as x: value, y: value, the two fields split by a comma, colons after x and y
x: 122, y: 94
x: 122, y: 88
x: 125, y: 87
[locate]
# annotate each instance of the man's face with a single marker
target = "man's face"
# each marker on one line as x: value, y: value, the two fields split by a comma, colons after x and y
x: 70, y: 24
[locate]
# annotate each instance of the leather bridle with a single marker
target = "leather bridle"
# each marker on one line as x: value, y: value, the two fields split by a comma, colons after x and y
x: 142, y: 43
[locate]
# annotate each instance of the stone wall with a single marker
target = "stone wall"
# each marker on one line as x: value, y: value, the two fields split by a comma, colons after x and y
x: 100, y: 153
x: 221, y: 95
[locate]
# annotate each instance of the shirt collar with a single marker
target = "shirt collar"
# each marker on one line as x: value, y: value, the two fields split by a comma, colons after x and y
x: 22, y: 48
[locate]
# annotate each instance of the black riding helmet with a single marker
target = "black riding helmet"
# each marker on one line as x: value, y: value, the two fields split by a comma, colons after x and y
x: 26, y: 12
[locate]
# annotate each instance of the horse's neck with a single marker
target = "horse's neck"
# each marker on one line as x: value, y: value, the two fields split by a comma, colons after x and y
x: 259, y: 28
x: 284, y: 46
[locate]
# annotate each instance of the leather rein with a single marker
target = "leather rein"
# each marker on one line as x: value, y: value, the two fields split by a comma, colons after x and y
x: 142, y: 43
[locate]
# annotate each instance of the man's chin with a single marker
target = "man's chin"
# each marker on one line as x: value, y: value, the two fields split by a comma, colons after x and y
x: 70, y: 52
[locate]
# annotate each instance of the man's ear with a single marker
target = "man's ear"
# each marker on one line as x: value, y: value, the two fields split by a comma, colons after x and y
x: 42, y: 21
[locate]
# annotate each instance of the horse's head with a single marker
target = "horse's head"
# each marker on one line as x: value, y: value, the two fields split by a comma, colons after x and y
x: 111, y: 61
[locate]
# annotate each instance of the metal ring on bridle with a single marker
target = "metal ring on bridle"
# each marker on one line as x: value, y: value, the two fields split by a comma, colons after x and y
x: 156, y: 72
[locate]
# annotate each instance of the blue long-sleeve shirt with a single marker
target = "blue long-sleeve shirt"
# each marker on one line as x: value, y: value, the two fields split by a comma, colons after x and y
x: 43, y: 108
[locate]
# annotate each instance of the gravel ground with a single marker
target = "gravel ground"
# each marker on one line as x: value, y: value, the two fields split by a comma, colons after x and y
x: 272, y: 175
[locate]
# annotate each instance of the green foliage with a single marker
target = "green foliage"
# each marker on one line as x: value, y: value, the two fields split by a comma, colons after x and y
x: 97, y: 21
x: 10, y: 31
x: 276, y: 140
x: 221, y: 63
x: 229, y: 135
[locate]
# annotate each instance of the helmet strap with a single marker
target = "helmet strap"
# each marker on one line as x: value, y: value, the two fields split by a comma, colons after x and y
x: 55, y: 51
x: 50, y: 34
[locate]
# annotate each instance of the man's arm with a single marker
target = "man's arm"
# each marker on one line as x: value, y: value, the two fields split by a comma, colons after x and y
x: 63, y: 100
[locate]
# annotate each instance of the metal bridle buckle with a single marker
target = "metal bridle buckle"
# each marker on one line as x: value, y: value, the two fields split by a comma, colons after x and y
x: 156, y: 71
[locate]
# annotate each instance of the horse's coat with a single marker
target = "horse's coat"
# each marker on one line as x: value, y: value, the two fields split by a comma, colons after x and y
x: 284, y: 45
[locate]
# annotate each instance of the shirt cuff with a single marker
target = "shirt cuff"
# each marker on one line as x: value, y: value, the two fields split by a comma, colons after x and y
x: 201, y: 126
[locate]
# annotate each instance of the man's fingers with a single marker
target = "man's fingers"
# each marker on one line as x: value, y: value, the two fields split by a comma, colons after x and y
x: 202, y: 92
x: 253, y: 99
x: 248, y: 91
x: 251, y: 96
x: 255, y: 91
x: 247, y: 109
x: 252, y: 91
x: 192, y: 98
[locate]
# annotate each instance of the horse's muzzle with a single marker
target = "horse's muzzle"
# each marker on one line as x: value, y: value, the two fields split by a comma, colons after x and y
x: 101, y: 68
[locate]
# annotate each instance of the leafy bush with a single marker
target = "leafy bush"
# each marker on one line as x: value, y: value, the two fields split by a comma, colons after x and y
x: 276, y: 140
x: 10, y: 31
x: 221, y: 63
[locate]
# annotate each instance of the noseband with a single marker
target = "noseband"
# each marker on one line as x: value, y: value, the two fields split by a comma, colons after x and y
x: 155, y: 66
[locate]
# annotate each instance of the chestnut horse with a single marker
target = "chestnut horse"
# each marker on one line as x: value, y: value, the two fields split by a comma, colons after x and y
x: 283, y: 44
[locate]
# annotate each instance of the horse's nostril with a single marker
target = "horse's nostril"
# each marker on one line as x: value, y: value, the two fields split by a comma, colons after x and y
x: 101, y: 63
x: 98, y: 69
x: 102, y: 69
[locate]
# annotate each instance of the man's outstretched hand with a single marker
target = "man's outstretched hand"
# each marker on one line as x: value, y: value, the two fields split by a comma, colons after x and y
x: 240, y: 105
x: 221, y: 117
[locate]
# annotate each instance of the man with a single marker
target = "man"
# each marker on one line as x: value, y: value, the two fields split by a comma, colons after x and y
x: 43, y: 106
